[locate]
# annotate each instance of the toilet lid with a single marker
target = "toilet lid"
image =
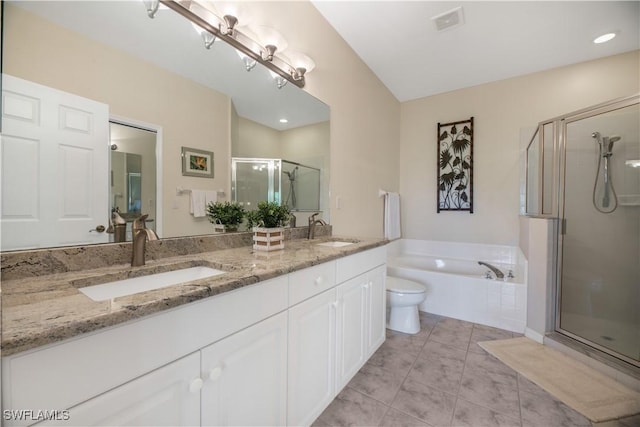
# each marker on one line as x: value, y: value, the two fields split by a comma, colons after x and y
x: 396, y: 284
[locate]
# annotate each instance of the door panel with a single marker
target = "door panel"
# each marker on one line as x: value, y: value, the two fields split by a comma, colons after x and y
x: 246, y: 377
x: 54, y: 167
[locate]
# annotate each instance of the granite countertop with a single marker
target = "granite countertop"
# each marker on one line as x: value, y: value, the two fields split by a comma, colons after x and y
x: 49, y: 308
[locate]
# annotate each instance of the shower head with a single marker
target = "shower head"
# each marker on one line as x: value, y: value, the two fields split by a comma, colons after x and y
x: 608, y: 141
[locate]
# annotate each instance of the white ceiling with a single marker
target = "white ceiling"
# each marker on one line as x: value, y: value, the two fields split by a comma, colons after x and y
x: 498, y: 40
x: 396, y: 39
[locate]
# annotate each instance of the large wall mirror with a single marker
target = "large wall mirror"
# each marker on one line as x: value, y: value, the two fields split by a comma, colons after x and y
x: 101, y: 65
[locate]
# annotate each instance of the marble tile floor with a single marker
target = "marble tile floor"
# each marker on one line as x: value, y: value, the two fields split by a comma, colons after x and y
x: 441, y: 377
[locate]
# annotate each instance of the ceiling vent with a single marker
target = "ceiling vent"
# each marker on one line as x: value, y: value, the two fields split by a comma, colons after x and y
x: 447, y: 20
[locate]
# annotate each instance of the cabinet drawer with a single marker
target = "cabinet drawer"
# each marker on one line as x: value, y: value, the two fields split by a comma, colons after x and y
x: 311, y: 281
x: 353, y: 265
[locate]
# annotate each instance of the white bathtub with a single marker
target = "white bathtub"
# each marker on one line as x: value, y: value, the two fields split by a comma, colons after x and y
x: 456, y: 284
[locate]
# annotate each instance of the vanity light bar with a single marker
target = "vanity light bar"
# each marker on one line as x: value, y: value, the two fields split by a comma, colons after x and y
x: 193, y: 11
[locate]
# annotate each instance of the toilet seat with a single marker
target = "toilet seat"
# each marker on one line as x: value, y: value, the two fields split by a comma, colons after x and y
x: 396, y: 284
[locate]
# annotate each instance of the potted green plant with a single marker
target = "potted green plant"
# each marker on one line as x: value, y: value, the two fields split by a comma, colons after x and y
x: 267, y: 222
x: 226, y: 216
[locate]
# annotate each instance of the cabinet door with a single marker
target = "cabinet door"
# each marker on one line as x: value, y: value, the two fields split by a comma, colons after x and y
x: 311, y: 358
x: 351, y: 328
x: 168, y: 396
x: 376, y: 308
x: 245, y: 376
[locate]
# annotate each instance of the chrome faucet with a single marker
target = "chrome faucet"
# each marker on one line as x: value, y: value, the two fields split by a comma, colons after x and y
x: 499, y: 274
x: 312, y: 225
x: 140, y: 236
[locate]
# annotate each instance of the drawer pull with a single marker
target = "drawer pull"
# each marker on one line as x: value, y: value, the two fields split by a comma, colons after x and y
x: 318, y: 281
x: 215, y: 373
x: 196, y: 385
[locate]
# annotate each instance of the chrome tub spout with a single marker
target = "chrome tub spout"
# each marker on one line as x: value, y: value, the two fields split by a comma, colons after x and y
x: 499, y: 274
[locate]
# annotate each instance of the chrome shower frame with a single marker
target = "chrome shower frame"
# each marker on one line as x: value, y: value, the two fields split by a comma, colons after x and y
x: 557, y: 212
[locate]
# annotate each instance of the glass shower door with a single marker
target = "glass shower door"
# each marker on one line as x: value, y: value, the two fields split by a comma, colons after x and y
x: 599, y: 290
x: 255, y: 180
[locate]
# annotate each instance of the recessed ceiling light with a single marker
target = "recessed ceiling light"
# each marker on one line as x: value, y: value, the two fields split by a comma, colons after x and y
x: 284, y: 121
x: 604, y: 38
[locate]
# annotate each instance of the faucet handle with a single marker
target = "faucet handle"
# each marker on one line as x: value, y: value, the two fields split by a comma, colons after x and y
x: 138, y: 223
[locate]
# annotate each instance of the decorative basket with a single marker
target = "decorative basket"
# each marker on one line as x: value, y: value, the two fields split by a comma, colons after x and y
x: 268, y: 239
x: 218, y: 227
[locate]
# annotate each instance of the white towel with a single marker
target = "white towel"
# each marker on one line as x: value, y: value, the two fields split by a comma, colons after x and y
x: 392, y: 216
x: 199, y: 201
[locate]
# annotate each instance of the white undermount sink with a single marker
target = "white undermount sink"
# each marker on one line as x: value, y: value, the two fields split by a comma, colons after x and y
x: 124, y: 287
x: 335, y: 244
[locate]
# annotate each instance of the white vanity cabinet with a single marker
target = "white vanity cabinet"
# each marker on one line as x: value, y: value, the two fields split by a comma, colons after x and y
x: 168, y: 396
x: 376, y: 304
x: 245, y: 377
x: 75, y: 373
x: 332, y: 334
x: 312, y: 358
x: 360, y: 324
x: 351, y: 328
x: 273, y: 353
x: 237, y: 381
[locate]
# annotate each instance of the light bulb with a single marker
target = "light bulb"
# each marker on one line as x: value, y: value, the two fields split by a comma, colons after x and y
x: 604, y: 38
x: 249, y: 62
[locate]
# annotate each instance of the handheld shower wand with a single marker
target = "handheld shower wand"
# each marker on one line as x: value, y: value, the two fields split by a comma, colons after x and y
x: 605, y: 151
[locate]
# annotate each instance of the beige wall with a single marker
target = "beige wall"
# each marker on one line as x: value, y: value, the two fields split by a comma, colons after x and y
x: 39, y: 51
x: 256, y: 140
x: 365, y: 117
x: 500, y: 111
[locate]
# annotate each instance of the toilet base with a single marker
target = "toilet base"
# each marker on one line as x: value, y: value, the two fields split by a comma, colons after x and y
x: 404, y: 319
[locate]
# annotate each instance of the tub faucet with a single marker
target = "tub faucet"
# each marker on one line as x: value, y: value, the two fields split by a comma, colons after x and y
x: 499, y: 274
x: 140, y: 236
x: 312, y: 225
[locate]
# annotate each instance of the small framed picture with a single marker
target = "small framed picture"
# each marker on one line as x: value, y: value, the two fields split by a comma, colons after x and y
x: 197, y: 162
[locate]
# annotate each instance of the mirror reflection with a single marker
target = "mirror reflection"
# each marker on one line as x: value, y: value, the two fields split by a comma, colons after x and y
x: 133, y: 175
x: 151, y: 72
x: 283, y: 181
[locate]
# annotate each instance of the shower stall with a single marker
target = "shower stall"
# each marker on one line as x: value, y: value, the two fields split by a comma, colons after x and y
x: 584, y: 169
x: 275, y: 180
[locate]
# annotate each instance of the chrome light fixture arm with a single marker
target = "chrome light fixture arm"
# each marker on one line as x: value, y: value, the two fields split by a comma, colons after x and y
x: 231, y: 35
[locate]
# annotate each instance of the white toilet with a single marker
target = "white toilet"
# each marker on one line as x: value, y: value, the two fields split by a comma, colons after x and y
x: 403, y: 298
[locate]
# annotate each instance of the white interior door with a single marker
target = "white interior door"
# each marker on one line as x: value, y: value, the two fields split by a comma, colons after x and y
x: 55, y: 162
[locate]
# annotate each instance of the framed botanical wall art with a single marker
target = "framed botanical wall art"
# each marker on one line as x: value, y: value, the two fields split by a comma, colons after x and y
x: 455, y: 166
x: 197, y: 162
